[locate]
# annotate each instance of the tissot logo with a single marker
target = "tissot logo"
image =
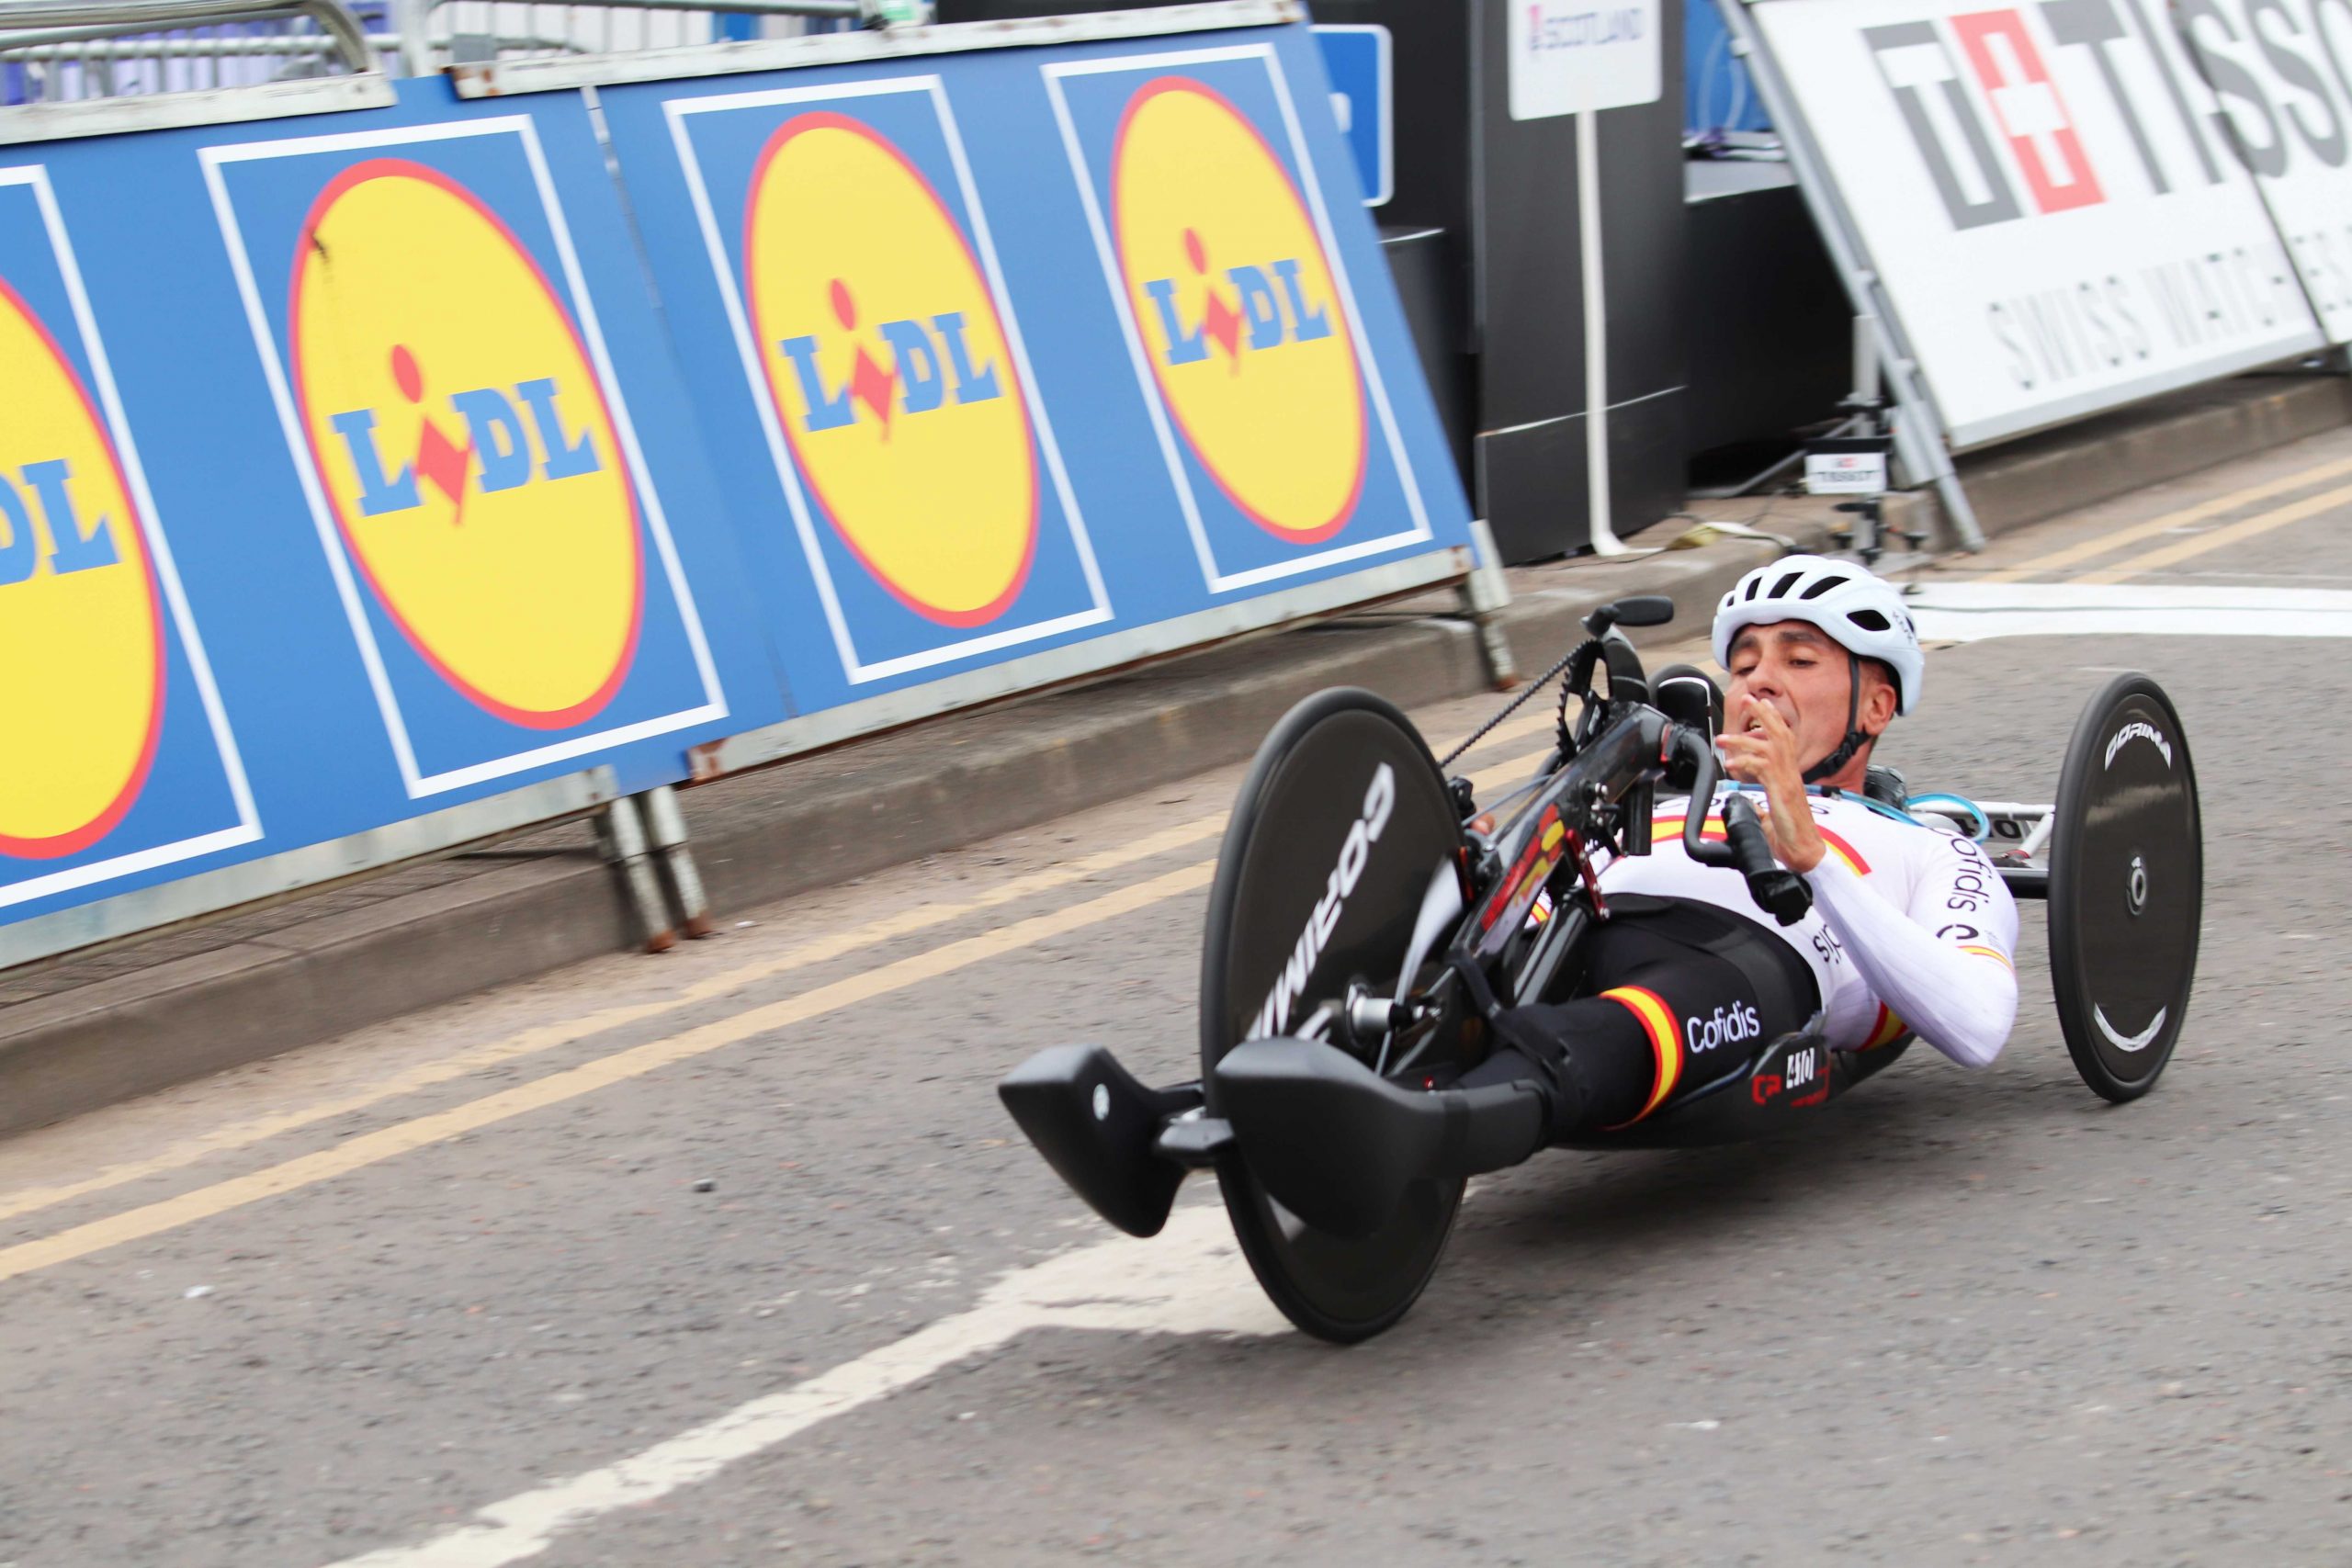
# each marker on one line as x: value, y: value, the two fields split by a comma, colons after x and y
x: 2029, y: 109
x: 1986, y: 79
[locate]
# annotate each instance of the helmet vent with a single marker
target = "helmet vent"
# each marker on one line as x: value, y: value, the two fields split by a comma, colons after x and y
x: 1781, y: 588
x: 1869, y: 620
x: 1824, y: 586
x: 1753, y: 584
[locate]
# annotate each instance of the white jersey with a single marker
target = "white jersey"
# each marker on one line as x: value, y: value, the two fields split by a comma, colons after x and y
x: 1911, y: 927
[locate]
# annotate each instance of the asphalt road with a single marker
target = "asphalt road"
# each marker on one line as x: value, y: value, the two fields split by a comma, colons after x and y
x: 451, y: 1291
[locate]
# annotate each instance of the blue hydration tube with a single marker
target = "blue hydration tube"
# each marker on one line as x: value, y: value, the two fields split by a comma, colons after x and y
x: 1984, y: 823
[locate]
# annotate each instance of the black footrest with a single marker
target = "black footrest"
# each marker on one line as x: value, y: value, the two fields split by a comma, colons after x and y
x: 1099, y: 1128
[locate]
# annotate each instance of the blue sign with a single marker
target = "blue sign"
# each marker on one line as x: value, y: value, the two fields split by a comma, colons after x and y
x: 502, y: 554
x: 353, y: 474
x: 117, y: 758
x: 376, y: 412
x: 916, y: 453
x: 1003, y: 351
x: 1357, y: 60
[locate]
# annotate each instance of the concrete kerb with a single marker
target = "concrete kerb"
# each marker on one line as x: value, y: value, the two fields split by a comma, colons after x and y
x: 851, y: 812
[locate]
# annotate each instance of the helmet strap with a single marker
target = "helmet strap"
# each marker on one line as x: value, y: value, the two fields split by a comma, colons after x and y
x: 1855, y: 739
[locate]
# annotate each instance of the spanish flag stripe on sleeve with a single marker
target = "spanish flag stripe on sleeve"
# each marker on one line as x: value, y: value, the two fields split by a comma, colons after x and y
x: 1886, y: 1030
x: 1994, y: 953
x: 1665, y: 827
x: 1665, y: 1038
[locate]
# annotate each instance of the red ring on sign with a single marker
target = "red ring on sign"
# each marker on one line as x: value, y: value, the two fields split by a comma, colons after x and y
x: 1345, y: 510
x: 588, y: 707
x: 827, y: 119
x: 105, y: 822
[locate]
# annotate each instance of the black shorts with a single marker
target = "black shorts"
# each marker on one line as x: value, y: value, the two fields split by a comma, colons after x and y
x: 1673, y: 996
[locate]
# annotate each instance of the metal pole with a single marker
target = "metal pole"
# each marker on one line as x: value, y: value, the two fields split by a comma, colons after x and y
x: 622, y: 833
x: 1484, y: 593
x: 1602, y: 535
x: 412, y: 21
x: 667, y: 824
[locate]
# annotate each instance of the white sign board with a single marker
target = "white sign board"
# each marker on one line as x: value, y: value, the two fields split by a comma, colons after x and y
x: 1568, y: 56
x: 2289, y: 108
x: 1845, y: 473
x: 2048, y: 198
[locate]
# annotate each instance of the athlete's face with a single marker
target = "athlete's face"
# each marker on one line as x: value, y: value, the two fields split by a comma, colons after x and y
x: 1797, y: 671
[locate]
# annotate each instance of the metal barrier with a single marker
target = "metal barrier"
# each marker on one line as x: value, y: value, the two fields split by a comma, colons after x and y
x: 78, y: 51
x: 272, y: 657
x: 433, y: 33
x: 73, y: 53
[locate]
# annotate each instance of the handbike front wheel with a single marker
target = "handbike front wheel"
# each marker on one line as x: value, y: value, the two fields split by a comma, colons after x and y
x: 1336, y: 834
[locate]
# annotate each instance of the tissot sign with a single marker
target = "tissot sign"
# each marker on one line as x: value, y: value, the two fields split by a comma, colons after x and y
x: 2283, y: 72
x: 2062, y: 200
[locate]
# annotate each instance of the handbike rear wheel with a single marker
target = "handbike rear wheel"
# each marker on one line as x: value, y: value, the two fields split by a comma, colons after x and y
x: 1334, y: 837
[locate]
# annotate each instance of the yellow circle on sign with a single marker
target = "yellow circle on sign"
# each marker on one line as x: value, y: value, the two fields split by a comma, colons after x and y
x: 81, y: 631
x: 465, y: 443
x: 1241, y: 321
x: 890, y: 370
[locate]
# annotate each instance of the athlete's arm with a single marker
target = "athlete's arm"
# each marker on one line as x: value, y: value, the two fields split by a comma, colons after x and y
x: 1942, y: 965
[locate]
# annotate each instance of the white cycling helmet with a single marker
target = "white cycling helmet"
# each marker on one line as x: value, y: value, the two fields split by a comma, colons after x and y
x: 1861, y: 612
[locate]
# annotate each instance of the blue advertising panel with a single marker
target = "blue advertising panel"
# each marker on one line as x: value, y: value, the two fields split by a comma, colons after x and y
x: 118, y: 757
x: 469, y: 462
x: 370, y: 466
x: 977, y: 390
x: 867, y: 307
x: 344, y: 478
x: 1216, y: 240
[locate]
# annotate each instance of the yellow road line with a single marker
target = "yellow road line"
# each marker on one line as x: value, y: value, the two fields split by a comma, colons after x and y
x: 384, y: 1144
x: 371, y: 1148
x: 2073, y: 555
x: 2261, y: 522
x: 545, y: 1037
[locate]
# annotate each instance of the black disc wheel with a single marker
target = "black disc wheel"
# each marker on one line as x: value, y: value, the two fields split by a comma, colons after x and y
x: 2127, y: 887
x: 1337, y: 832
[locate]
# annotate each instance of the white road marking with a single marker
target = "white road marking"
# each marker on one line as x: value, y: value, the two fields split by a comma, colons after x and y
x: 1190, y: 1279
x: 1971, y: 612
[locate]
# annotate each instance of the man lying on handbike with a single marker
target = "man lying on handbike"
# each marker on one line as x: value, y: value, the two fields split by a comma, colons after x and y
x: 1911, y: 929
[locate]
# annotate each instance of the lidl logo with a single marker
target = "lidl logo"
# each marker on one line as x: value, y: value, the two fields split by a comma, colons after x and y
x: 1229, y: 286
x: 81, y: 626
x: 465, y: 444
x: 887, y: 366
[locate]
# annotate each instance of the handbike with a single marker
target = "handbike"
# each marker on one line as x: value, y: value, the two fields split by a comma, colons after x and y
x: 1369, y: 920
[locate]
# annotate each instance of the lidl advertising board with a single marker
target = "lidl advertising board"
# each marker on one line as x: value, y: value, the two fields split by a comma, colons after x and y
x: 377, y: 466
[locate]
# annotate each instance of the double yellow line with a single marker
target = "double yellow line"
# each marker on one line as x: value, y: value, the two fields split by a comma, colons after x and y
x: 635, y: 1062
x: 2172, y: 555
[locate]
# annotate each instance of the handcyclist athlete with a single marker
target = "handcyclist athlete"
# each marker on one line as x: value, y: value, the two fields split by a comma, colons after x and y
x: 1911, y: 929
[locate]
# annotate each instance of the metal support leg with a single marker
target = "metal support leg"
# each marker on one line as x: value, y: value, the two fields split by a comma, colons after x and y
x: 621, y: 832
x: 412, y: 23
x: 1484, y: 593
x: 667, y: 825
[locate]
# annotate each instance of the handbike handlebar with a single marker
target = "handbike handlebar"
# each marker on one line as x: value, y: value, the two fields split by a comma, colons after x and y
x: 1777, y: 890
x: 1636, y: 748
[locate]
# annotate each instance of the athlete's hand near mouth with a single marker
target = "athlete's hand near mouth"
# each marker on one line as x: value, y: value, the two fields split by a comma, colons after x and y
x: 1759, y: 748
